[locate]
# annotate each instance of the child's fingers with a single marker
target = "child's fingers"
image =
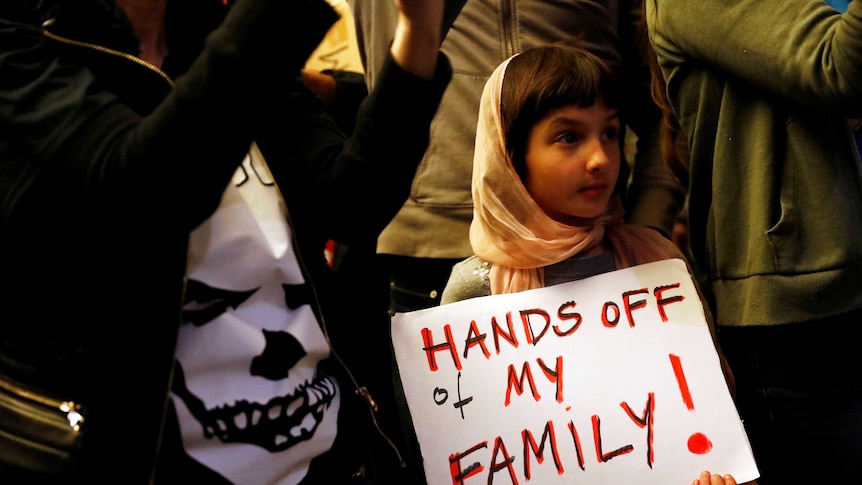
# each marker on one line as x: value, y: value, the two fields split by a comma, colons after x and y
x: 717, y: 479
x: 707, y: 478
x: 729, y: 480
x: 703, y: 479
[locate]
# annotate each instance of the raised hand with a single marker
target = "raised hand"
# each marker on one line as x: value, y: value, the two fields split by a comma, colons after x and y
x: 417, y: 36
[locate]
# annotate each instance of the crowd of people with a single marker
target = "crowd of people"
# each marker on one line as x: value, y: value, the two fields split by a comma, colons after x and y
x: 169, y: 185
x: 175, y: 320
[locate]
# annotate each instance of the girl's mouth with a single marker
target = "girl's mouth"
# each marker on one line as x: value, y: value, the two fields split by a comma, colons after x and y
x: 594, y: 190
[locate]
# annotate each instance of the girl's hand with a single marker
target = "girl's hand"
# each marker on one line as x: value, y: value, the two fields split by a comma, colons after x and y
x: 714, y: 479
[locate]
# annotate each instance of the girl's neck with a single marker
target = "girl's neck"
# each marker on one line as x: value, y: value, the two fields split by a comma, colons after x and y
x: 602, y: 247
x: 148, y: 21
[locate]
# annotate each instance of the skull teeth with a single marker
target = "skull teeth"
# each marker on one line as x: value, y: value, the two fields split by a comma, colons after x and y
x: 241, y: 421
x: 308, y: 423
x: 313, y: 396
x: 274, y: 411
x: 255, y: 417
x: 293, y: 406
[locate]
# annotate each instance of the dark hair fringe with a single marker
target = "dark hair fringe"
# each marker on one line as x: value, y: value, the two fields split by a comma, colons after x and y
x: 541, y: 79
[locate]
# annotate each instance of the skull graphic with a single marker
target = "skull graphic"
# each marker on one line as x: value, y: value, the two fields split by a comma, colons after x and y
x: 251, y: 401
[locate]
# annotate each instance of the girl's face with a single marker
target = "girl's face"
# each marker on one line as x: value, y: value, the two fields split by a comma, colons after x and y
x: 573, y: 160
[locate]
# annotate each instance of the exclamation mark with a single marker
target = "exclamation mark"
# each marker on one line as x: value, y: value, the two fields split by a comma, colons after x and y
x: 698, y: 443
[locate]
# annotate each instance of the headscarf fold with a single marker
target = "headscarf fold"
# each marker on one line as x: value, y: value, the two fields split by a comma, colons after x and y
x: 509, y: 228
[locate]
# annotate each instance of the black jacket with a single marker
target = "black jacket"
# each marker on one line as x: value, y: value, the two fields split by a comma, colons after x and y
x: 106, y: 163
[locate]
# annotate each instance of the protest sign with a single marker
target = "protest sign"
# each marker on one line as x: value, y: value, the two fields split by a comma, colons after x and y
x: 611, y: 379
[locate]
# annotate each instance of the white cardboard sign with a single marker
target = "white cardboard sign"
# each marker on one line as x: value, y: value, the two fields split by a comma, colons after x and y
x: 611, y: 379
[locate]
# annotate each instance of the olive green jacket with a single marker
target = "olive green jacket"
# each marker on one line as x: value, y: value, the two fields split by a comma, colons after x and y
x: 764, y: 92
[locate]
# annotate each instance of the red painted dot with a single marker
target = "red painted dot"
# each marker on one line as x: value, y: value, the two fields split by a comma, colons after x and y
x: 699, y: 444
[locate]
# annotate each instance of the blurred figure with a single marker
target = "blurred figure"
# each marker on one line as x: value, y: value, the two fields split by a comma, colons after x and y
x: 768, y: 98
x: 161, y: 161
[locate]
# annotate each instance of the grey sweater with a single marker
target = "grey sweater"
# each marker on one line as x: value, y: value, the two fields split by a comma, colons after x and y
x: 469, y: 278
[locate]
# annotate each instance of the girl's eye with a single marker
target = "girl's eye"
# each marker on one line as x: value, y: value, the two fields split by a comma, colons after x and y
x: 567, y: 137
x: 611, y: 133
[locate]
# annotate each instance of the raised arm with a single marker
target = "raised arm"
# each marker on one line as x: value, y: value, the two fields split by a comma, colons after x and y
x: 356, y: 185
x: 417, y: 36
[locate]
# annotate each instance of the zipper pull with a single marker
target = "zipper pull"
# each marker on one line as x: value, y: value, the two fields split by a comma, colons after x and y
x: 72, y: 414
x: 364, y: 394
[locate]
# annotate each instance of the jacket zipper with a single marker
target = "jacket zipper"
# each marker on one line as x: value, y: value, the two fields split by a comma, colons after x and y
x: 508, y: 26
x: 360, y: 391
x: 852, y: 127
x: 68, y: 410
x: 137, y: 60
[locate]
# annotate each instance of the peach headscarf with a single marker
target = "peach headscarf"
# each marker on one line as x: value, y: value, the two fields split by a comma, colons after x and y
x: 510, y: 230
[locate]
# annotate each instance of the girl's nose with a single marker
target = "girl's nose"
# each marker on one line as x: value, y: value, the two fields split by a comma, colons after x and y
x: 598, y: 157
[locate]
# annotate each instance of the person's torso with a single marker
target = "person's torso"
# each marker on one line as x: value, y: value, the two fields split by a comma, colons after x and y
x: 252, y: 401
x: 775, y: 195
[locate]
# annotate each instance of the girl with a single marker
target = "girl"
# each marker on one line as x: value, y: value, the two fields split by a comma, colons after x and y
x: 547, y: 184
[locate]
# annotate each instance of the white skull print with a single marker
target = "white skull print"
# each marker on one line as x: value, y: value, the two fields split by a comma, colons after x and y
x: 247, y: 388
